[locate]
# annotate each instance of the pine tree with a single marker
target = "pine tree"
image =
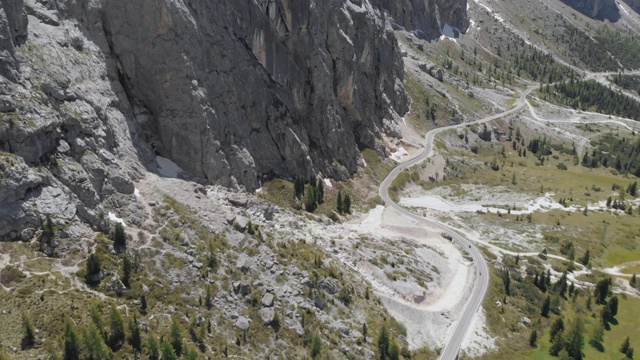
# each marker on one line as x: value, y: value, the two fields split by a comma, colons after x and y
x: 632, y: 189
x: 394, y: 351
x: 176, y: 337
x: 545, y: 307
x: 134, y: 335
x: 633, y: 281
x: 575, y: 340
x: 96, y: 319
x: 625, y: 346
x: 383, y: 343
x: 556, y: 327
x: 119, y: 238
x: 347, y: 204
x: 29, y: 337
x: 629, y: 353
x: 153, y: 347
x: 310, y: 199
x: 561, y: 285
x: 339, y: 202
x: 613, y: 306
x: 191, y: 354
x: 605, y: 314
x: 557, y: 344
x: 601, y: 291
x: 71, y: 350
x: 598, y: 336
x: 127, y: 268
x: 364, y: 331
x: 585, y: 258
x: 533, y: 339
x: 117, y: 336
x: 94, y: 267
x: 168, y: 352
x: 143, y: 304
x: 316, y: 344
x: 506, y: 279
x: 95, y: 345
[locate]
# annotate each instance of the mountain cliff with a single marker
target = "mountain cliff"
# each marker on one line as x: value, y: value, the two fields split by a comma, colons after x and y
x: 428, y: 17
x: 232, y: 90
x: 91, y: 91
x: 596, y: 9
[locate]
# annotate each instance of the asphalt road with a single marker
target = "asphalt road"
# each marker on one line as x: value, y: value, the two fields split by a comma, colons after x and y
x: 461, y: 328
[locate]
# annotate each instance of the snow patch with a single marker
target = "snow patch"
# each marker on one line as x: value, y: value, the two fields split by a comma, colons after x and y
x: 168, y: 168
x: 327, y: 182
x: 136, y: 193
x: 114, y: 218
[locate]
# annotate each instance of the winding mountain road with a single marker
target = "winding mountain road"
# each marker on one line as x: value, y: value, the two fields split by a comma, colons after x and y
x: 461, y: 327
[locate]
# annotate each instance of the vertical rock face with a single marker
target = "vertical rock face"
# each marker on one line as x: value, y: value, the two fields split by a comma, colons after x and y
x: 596, y: 9
x: 237, y: 89
x: 427, y: 17
x: 13, y: 32
x: 228, y: 89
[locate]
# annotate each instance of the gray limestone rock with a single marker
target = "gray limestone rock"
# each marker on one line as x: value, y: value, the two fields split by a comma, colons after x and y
x: 240, y: 223
x: 426, y: 18
x: 242, y: 288
x: 244, y: 263
x: 267, y: 315
x: 312, y: 85
x: 598, y: 9
x: 329, y: 285
x: 244, y: 89
x: 242, y: 323
x: 267, y: 300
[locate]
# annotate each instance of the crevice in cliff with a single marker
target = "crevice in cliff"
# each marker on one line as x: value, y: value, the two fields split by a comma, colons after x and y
x: 147, y: 128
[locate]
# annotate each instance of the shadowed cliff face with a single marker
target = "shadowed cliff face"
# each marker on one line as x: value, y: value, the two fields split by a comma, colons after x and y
x: 596, y: 9
x: 229, y: 90
x: 635, y: 4
x: 427, y: 17
x: 13, y: 32
x: 236, y: 89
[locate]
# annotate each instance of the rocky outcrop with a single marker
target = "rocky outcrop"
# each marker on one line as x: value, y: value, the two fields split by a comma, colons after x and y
x: 248, y: 88
x: 13, y: 32
x: 596, y: 9
x: 428, y: 17
x: 66, y: 128
x: 228, y: 90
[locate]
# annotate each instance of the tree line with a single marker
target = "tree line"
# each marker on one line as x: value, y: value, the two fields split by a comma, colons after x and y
x: 621, y: 154
x: 590, y: 95
x: 627, y: 82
